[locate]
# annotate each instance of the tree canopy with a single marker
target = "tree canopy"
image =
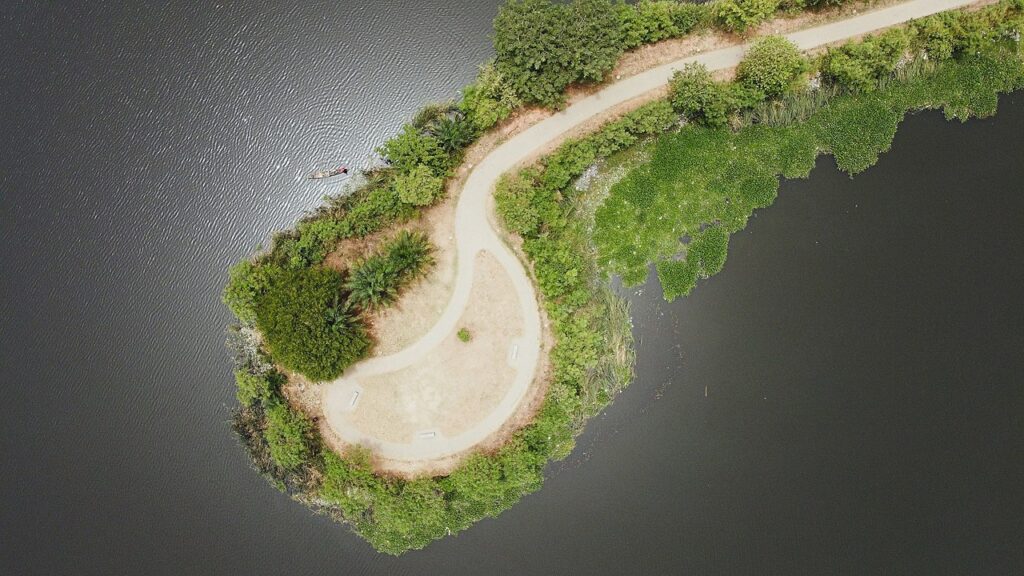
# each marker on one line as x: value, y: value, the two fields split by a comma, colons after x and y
x: 771, y: 66
x: 419, y: 187
x: 304, y: 326
x: 542, y: 47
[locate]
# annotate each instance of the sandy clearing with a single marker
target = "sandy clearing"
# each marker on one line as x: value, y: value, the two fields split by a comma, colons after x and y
x: 423, y: 408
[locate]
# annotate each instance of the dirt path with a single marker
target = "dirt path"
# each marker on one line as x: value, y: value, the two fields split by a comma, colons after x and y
x: 477, y: 231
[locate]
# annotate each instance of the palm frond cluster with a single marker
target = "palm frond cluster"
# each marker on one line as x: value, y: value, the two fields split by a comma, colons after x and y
x: 377, y: 280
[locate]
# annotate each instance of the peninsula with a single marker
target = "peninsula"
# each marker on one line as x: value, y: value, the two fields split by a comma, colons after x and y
x: 412, y: 355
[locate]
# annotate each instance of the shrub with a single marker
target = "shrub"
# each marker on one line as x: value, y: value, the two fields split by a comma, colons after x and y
x: 303, y: 326
x: 489, y: 99
x: 823, y: 3
x: 253, y: 388
x: 520, y: 204
x: 464, y: 335
x: 696, y: 95
x: 861, y: 66
x: 936, y: 36
x: 419, y: 187
x: 654, y: 20
x: 411, y: 148
x: 287, y: 434
x: 740, y: 15
x: 771, y: 66
x: 689, y: 17
x: 246, y: 282
x: 376, y: 281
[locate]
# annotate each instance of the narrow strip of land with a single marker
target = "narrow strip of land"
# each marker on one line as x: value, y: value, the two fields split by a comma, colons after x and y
x: 476, y: 231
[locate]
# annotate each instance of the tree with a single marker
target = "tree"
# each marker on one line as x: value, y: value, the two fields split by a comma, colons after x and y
x: 517, y: 203
x: 303, y: 326
x: 696, y: 95
x: 411, y: 148
x: 419, y: 186
x: 741, y: 15
x: 246, y: 283
x: 771, y: 66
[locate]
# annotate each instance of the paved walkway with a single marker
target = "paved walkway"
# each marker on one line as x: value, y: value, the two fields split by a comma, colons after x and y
x: 475, y: 231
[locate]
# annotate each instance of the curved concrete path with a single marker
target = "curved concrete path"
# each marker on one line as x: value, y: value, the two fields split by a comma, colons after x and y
x: 475, y: 232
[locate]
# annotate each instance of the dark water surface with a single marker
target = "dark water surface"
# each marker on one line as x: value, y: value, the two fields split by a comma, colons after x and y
x: 861, y: 351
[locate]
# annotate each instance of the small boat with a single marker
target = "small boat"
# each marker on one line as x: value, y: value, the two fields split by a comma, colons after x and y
x: 321, y: 174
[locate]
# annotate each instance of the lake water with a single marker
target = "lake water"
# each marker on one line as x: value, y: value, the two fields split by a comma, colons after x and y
x: 861, y: 352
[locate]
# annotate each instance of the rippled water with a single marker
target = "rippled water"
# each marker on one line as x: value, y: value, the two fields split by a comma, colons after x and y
x: 861, y: 349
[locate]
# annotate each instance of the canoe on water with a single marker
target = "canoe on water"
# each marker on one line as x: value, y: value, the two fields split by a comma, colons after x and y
x: 321, y: 174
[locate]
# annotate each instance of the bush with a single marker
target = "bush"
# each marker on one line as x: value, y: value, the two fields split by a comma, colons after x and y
x: 303, y: 326
x: 543, y: 47
x: 521, y: 206
x: 861, y: 66
x: 936, y: 36
x: 650, y: 21
x: 376, y: 281
x: 823, y: 3
x: 489, y: 99
x: 246, y: 282
x: 740, y: 15
x: 419, y: 187
x: 695, y: 94
x: 771, y: 66
x: 411, y: 148
x: 688, y: 16
x: 464, y: 335
x: 253, y: 388
x: 287, y: 434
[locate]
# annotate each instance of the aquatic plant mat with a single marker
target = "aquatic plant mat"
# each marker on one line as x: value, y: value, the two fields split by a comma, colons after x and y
x: 702, y: 184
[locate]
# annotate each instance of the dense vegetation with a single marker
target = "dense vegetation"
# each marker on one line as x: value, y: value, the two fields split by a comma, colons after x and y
x: 308, y: 316
x: 305, y: 324
x: 703, y: 181
x: 543, y: 46
x: 701, y: 184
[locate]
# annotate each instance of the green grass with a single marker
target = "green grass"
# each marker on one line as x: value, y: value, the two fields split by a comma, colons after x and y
x: 702, y: 184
